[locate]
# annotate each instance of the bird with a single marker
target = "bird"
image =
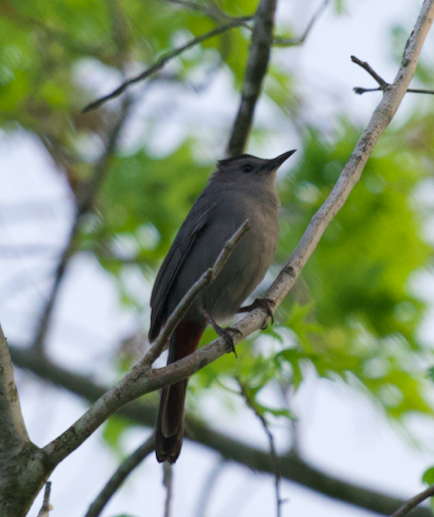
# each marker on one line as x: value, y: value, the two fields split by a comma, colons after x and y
x: 242, y: 187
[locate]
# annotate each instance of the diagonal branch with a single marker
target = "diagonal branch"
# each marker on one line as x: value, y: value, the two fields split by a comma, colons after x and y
x: 293, y: 468
x: 207, y: 278
x: 294, y: 42
x: 121, y: 474
x: 352, y: 171
x: 406, y: 508
x: 366, y: 66
x: 277, y: 475
x: 131, y: 386
x: 164, y: 60
x: 257, y: 65
x: 85, y: 199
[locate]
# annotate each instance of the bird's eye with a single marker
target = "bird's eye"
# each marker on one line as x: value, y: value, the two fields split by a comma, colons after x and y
x: 248, y: 167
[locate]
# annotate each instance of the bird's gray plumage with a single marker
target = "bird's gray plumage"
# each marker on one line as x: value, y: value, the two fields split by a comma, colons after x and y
x: 241, y: 188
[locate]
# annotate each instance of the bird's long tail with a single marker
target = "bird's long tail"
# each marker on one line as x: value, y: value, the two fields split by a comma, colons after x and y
x: 170, y: 424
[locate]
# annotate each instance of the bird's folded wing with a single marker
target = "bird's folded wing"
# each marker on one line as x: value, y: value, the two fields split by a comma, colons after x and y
x: 198, y: 218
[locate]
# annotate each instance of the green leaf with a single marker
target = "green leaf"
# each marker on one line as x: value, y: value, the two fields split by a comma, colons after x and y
x: 113, y: 431
x: 428, y: 476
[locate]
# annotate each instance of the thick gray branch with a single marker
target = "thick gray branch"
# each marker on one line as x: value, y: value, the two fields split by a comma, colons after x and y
x: 257, y: 65
x: 15, y: 447
x: 292, y: 468
x: 13, y: 433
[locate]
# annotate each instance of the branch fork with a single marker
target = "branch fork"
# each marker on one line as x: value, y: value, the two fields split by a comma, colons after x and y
x: 382, y: 84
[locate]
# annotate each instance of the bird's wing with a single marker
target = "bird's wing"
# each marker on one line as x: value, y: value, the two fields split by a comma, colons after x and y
x: 197, y: 219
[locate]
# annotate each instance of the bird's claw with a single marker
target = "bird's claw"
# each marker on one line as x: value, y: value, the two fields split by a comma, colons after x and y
x: 226, y: 333
x: 264, y: 303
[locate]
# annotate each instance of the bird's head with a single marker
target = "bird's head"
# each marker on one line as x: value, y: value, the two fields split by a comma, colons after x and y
x: 246, y: 168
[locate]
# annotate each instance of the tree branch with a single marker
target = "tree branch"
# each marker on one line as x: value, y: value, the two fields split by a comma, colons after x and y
x: 131, y: 386
x: 294, y: 42
x: 352, y: 171
x: 207, y: 278
x: 46, y: 506
x: 121, y: 474
x: 257, y: 65
x: 212, y: 10
x: 168, y: 483
x: 13, y: 433
x: 277, y: 476
x: 413, y: 502
x: 293, y: 468
x: 165, y: 59
x: 85, y: 199
x: 383, y: 85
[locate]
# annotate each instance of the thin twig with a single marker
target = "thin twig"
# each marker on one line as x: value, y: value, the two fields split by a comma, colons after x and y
x: 406, y: 508
x: 122, y: 472
x: 277, y: 474
x: 257, y: 65
x: 211, y: 10
x: 294, y: 42
x: 46, y: 506
x: 208, y: 486
x: 418, y: 90
x: 383, y: 85
x: 168, y: 483
x: 85, y: 199
x: 165, y: 59
x: 366, y: 66
x: 360, y: 91
x: 207, y: 278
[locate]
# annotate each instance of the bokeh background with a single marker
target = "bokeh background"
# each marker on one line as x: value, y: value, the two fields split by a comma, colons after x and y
x: 91, y: 202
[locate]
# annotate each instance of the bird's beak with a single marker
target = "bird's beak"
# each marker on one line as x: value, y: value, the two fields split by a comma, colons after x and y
x: 275, y: 163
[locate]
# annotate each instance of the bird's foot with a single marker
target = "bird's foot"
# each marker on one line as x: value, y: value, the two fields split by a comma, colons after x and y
x: 264, y: 303
x: 226, y: 334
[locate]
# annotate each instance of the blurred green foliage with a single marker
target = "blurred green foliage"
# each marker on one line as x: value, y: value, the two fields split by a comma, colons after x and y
x: 353, y: 315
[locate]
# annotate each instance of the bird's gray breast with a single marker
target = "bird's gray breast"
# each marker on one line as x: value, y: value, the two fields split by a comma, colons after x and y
x: 250, y: 259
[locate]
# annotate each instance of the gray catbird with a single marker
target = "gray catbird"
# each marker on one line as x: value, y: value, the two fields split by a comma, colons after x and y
x: 241, y: 188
